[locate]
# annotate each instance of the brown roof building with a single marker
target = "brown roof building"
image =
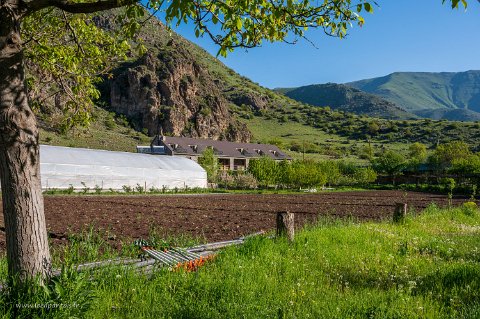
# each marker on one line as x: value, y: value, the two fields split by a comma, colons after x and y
x: 231, y: 156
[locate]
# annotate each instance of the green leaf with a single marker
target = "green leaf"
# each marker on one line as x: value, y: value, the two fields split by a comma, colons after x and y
x: 368, y: 7
x: 239, y: 24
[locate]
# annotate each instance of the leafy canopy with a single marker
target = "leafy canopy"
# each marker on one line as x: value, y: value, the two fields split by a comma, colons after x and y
x: 67, y: 56
x: 209, y: 162
x: 389, y: 162
x: 445, y: 154
x: 247, y: 23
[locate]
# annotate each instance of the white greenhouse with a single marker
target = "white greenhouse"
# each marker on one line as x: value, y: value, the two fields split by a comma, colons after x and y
x: 63, y: 167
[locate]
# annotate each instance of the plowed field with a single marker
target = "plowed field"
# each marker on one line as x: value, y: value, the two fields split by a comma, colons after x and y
x: 214, y: 217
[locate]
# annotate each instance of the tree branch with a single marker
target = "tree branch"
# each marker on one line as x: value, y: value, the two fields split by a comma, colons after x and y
x: 74, y: 35
x: 75, y: 7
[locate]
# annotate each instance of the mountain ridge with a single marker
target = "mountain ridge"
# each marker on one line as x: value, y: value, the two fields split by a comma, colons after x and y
x: 345, y: 98
x: 421, y: 92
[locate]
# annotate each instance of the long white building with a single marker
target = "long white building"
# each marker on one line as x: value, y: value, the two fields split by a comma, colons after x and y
x: 63, y: 167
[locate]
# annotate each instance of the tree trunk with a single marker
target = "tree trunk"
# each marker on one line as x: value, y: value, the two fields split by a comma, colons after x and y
x: 26, y: 235
x: 400, y: 212
x: 286, y: 225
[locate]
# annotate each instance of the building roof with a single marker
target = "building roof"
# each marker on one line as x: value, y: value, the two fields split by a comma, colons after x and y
x: 64, y: 167
x: 195, y: 147
x: 101, y: 158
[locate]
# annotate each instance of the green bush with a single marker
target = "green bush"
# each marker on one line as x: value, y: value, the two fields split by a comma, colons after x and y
x: 245, y: 181
x: 470, y: 208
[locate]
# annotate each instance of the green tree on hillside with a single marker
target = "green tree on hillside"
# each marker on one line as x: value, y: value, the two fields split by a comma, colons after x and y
x: 264, y: 170
x: 391, y: 163
x: 364, y: 176
x: 331, y: 170
x: 466, y: 165
x: 60, y: 38
x: 373, y: 128
x: 306, y: 174
x: 417, y: 153
x: 445, y: 154
x: 366, y: 151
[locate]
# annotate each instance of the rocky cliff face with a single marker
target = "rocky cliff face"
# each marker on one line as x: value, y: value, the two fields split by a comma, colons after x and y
x: 255, y: 101
x: 167, y: 91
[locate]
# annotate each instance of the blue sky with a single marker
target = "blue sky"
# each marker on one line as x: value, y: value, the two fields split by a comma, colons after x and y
x: 406, y: 35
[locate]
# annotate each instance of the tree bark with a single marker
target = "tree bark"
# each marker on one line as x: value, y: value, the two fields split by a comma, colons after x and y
x: 286, y: 225
x: 28, y: 253
x: 400, y: 212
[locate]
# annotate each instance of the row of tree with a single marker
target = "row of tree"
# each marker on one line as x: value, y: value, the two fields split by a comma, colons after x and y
x: 266, y: 172
x: 450, y: 158
x: 308, y: 174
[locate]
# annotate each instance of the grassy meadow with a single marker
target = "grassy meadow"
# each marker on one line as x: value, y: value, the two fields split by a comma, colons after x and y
x: 427, y: 267
x: 107, y: 131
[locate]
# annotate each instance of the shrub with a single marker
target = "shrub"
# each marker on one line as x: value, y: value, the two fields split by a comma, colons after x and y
x: 469, y: 208
x: 366, y: 152
x: 139, y: 188
x: 448, y: 184
x: 373, y: 128
x: 110, y: 123
x: 153, y: 189
x: 70, y: 189
x: 85, y: 189
x: 225, y: 180
x: 365, y: 175
x: 245, y: 181
x: 98, y: 189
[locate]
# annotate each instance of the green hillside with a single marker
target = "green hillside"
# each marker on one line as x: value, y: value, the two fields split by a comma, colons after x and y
x: 345, y: 98
x: 422, y: 92
x: 339, y: 135
x: 451, y: 114
x: 108, y: 131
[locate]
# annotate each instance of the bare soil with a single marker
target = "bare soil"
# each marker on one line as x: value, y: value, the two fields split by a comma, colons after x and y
x: 213, y: 217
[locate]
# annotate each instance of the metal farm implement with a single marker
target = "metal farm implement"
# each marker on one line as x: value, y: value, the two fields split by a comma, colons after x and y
x: 176, y: 258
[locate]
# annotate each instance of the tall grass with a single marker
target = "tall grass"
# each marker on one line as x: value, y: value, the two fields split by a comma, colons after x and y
x: 427, y: 267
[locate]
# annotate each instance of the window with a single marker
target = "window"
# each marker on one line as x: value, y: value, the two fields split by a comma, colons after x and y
x: 259, y: 152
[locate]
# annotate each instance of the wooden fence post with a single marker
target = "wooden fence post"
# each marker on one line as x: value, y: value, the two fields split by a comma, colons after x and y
x: 400, y: 212
x: 285, y: 225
